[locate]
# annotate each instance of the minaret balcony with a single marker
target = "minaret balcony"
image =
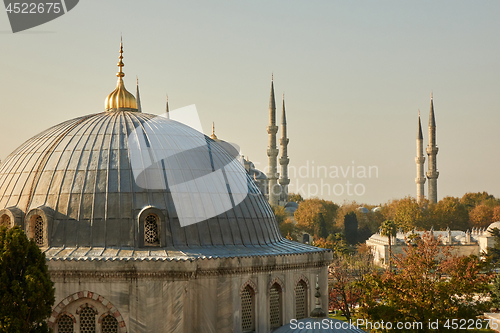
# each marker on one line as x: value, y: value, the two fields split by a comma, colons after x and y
x: 420, y: 160
x: 432, y: 150
x: 432, y: 174
x: 284, y: 161
x: 272, y: 152
x: 272, y: 129
x: 420, y: 180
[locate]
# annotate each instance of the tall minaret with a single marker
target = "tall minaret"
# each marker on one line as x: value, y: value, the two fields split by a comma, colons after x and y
x: 420, y: 159
x: 138, y: 97
x: 432, y: 150
x: 284, y: 160
x: 272, y: 152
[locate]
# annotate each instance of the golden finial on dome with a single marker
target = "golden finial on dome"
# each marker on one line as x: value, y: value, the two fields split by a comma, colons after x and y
x: 213, y: 136
x: 120, y: 99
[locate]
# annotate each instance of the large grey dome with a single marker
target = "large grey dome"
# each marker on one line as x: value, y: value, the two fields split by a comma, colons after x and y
x: 78, y: 177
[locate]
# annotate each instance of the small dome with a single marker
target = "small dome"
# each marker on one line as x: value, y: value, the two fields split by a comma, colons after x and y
x: 493, y: 226
x: 292, y: 204
x: 363, y: 210
x: 376, y: 209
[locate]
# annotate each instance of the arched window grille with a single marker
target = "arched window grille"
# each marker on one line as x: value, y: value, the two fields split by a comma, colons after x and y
x: 87, y: 320
x: 109, y: 325
x: 5, y: 221
x: 151, y: 230
x: 275, y: 305
x: 248, y: 309
x: 65, y: 324
x: 301, y: 300
x: 38, y: 228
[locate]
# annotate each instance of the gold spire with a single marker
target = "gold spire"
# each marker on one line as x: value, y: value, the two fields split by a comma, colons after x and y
x: 120, y: 99
x: 213, y: 136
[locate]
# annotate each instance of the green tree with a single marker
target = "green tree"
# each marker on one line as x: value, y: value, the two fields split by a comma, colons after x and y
x: 389, y: 229
x: 471, y: 200
x: 493, y: 254
x: 26, y: 291
x: 429, y: 284
x: 495, y: 292
x: 351, y: 228
x: 322, y: 230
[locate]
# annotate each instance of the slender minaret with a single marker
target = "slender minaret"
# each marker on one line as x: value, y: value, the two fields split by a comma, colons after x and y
x: 272, y: 152
x: 167, y: 110
x: 420, y: 159
x: 138, y: 97
x: 432, y: 150
x: 284, y: 160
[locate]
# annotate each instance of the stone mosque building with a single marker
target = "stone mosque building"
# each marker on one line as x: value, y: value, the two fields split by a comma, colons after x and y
x: 119, y: 253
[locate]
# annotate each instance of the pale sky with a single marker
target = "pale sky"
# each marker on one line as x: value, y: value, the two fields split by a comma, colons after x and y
x: 354, y: 75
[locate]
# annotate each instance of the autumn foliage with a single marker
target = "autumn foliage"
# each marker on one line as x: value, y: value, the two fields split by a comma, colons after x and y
x: 429, y: 283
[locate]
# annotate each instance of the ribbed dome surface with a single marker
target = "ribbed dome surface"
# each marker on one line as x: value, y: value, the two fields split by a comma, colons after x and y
x: 82, y: 170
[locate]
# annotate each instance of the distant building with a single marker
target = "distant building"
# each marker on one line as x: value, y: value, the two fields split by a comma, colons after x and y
x: 474, y: 242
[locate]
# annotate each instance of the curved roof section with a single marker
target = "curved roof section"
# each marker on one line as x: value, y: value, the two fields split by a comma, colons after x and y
x: 82, y: 171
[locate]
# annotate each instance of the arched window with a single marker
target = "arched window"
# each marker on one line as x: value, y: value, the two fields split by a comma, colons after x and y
x: 247, y: 309
x: 87, y: 320
x: 151, y: 230
x: 5, y: 221
x: 109, y: 324
x: 301, y: 300
x: 65, y: 324
x: 37, y: 227
x: 275, y: 312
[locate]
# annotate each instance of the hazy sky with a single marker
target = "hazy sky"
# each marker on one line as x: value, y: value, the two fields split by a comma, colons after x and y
x: 354, y: 73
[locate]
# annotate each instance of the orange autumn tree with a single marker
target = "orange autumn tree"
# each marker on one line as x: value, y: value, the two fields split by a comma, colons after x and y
x: 429, y: 283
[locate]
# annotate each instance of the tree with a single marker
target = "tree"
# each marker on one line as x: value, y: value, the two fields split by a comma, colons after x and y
x: 336, y: 242
x: 345, y: 273
x: 407, y: 213
x: 26, y: 291
x: 471, y: 200
x: 286, y: 225
x: 322, y: 231
x: 307, y: 215
x: 296, y: 197
x: 495, y: 292
x: 351, y: 228
x: 496, y: 213
x: 429, y: 284
x: 450, y: 213
x: 481, y: 216
x: 493, y: 254
x: 389, y: 229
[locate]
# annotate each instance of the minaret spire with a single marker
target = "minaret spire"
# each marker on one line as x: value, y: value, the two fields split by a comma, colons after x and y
x: 167, y: 109
x: 272, y: 151
x: 284, y: 160
x: 419, y: 160
x: 432, y: 150
x: 138, y: 97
